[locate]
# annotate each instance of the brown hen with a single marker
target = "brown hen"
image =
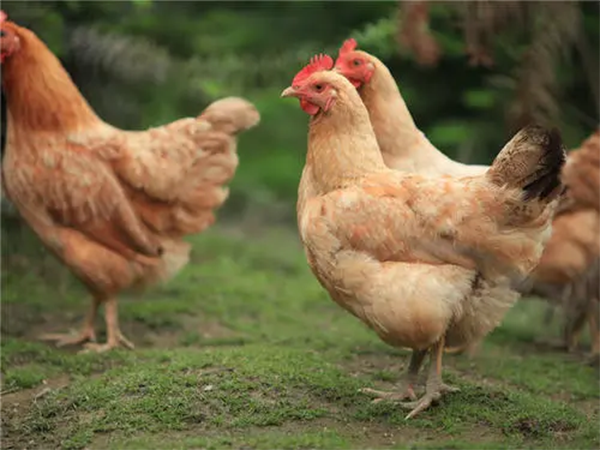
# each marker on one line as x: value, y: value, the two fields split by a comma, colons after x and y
x: 112, y: 205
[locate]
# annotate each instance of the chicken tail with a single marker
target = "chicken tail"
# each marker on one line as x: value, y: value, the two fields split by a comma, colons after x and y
x: 531, y: 161
x: 231, y: 115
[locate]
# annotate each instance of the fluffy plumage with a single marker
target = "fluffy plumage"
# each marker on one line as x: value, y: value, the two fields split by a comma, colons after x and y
x: 113, y: 205
x: 425, y: 261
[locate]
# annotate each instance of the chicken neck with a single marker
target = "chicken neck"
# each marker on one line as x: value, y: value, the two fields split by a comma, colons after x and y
x: 341, y: 144
x: 41, y: 95
x: 396, y: 131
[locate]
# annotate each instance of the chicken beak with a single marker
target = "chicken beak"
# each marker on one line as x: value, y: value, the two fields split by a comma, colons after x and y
x: 289, y: 92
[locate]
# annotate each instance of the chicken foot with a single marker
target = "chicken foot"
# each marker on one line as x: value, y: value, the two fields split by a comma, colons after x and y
x: 406, y: 388
x: 434, y: 387
x: 87, y: 333
x: 113, y: 332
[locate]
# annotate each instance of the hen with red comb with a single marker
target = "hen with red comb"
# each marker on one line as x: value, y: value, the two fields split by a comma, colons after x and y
x: 317, y: 63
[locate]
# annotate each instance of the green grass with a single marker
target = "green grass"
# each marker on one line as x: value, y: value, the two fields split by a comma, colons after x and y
x: 244, y: 349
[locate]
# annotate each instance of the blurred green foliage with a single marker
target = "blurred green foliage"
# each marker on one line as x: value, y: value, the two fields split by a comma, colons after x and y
x: 142, y: 63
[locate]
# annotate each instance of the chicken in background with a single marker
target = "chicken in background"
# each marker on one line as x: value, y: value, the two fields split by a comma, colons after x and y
x: 425, y: 261
x: 565, y: 271
x: 593, y: 288
x: 566, y: 274
x: 112, y: 205
x: 582, y: 174
x: 403, y: 145
x: 583, y: 306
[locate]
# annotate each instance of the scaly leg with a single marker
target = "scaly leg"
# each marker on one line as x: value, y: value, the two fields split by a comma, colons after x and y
x: 406, y: 388
x: 114, y: 336
x: 593, y: 321
x: 573, y: 328
x: 434, y: 387
x: 86, y: 334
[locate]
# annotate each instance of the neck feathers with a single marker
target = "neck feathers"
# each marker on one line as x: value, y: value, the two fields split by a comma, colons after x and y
x: 40, y: 93
x: 341, y: 144
x: 393, y: 124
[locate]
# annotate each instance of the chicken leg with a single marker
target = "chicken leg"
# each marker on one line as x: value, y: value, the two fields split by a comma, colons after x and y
x: 406, y: 388
x: 593, y: 321
x: 86, y: 334
x: 114, y: 337
x: 434, y: 387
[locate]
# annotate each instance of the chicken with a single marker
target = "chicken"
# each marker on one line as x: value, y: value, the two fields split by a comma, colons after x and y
x: 582, y: 173
x: 593, y: 290
x: 562, y: 275
x: 424, y: 261
x: 403, y: 145
x: 112, y: 205
x: 582, y: 306
x: 565, y: 274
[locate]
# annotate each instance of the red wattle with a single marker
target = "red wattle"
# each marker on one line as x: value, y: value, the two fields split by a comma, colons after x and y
x: 308, y: 107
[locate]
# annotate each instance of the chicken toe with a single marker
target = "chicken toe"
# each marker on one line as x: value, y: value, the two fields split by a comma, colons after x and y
x: 403, y: 393
x: 86, y: 334
x: 122, y: 341
x: 406, y: 388
x: 65, y: 339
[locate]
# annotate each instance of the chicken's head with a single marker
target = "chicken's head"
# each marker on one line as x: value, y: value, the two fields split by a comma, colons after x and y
x: 9, y: 41
x: 354, y: 64
x: 314, y: 92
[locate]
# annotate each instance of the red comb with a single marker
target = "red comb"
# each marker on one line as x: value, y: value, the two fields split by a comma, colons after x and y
x: 317, y: 64
x: 349, y: 45
x: 3, y: 16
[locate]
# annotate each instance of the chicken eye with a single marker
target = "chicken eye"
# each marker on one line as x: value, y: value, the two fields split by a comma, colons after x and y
x: 318, y: 87
x: 357, y: 62
x: 2, y: 34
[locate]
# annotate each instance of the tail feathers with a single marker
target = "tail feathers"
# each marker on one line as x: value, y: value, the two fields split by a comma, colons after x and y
x: 531, y: 161
x: 231, y: 115
x: 549, y: 168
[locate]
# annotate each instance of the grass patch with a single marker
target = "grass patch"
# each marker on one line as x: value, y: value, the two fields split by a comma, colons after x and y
x: 244, y: 349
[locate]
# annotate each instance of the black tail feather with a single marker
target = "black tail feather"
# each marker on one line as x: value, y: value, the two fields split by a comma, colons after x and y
x: 551, y: 165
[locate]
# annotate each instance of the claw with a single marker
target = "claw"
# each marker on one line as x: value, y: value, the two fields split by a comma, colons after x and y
x: 448, y: 388
x: 64, y: 339
x: 96, y: 348
x: 432, y: 396
x: 400, y: 395
x: 86, y: 334
x: 421, y: 405
x: 122, y: 341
